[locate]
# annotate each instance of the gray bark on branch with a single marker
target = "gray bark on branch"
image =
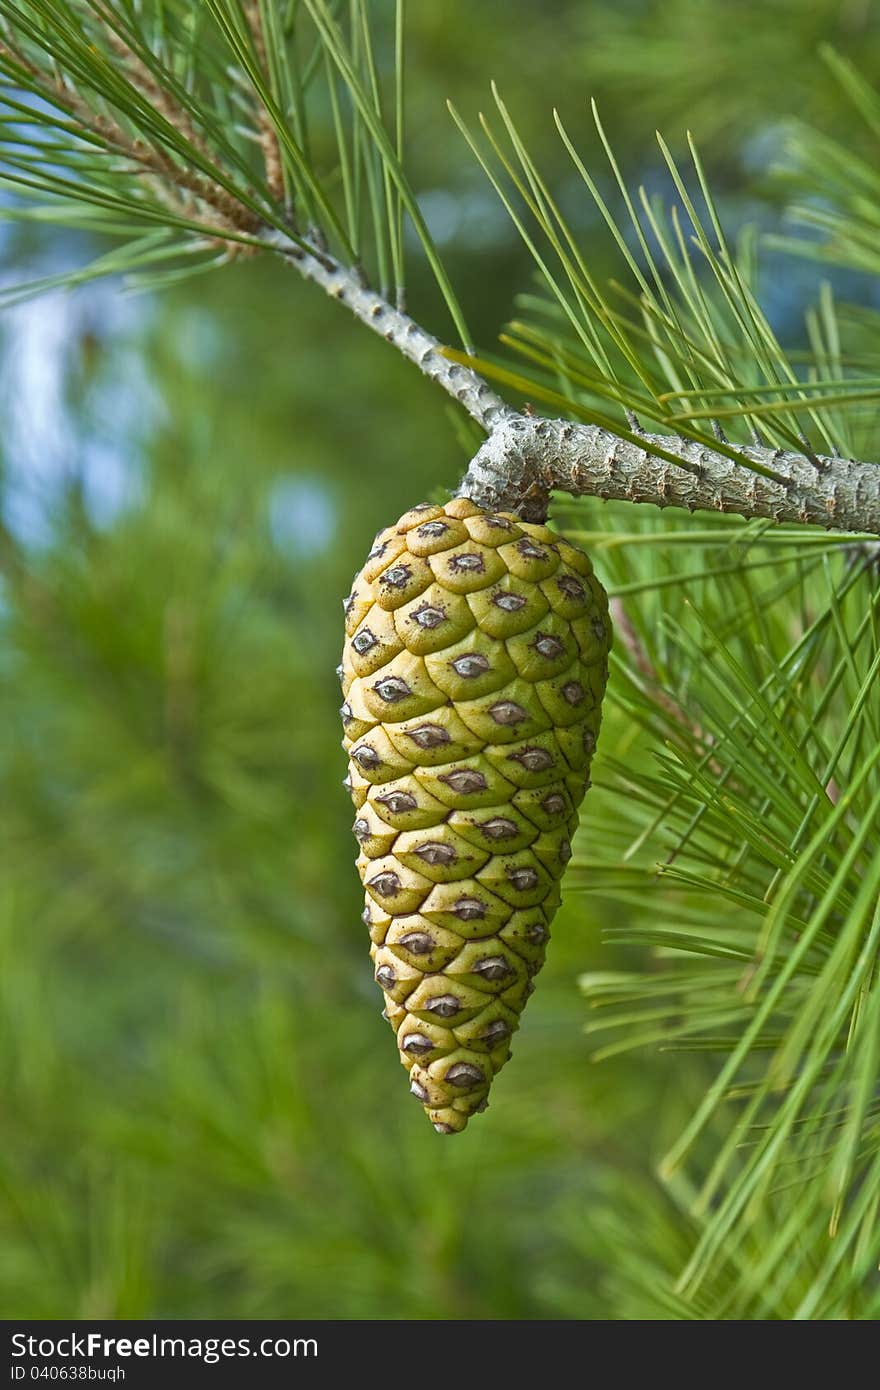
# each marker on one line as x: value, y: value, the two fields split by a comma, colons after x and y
x: 525, y: 457
x: 403, y: 333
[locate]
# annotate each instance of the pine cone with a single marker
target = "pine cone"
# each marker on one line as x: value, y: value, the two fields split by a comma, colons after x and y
x: 474, y: 667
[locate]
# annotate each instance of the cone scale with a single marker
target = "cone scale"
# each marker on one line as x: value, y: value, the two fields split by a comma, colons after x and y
x: 473, y: 672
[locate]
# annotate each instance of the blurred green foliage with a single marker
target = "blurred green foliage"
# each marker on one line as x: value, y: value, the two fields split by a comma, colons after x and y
x: 203, y: 1113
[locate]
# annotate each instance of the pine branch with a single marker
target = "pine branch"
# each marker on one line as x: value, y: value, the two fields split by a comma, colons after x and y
x: 525, y: 457
x: 127, y: 103
x: 344, y: 285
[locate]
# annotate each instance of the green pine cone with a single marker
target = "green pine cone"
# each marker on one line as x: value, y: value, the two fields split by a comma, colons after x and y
x: 475, y: 662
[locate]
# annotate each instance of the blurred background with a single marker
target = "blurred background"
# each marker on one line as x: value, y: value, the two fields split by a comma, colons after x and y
x: 203, y: 1114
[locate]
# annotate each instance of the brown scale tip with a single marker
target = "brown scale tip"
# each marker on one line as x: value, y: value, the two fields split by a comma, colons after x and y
x: 386, y: 884
x: 499, y: 828
x: 465, y: 1075
x: 493, y: 968
x: 473, y: 664
x: 419, y: 943
x: 532, y: 759
x: 392, y: 689
x: 571, y: 587
x: 547, y: 645
x: 496, y: 1032
x: 469, y: 910
x: 437, y: 854
x: 365, y: 756
x: 509, y: 603
x: 444, y: 1005
x: 428, y: 736
x: 429, y: 617
x: 396, y: 577
x: 529, y: 550
x: 522, y: 879
x: 398, y: 802
x: 507, y: 712
x: 464, y: 781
